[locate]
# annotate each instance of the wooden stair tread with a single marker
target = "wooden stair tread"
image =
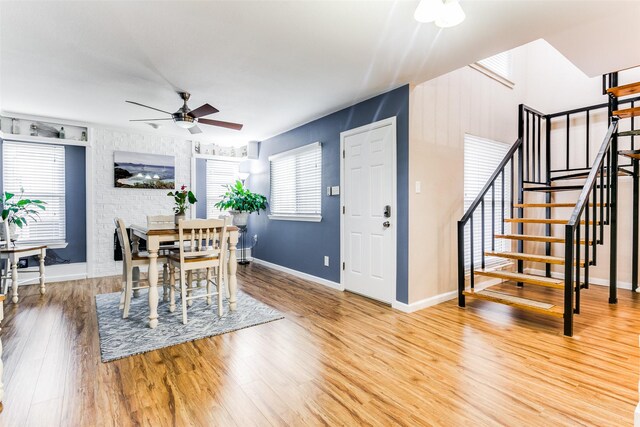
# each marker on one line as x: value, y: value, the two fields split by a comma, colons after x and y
x: 551, y: 205
x: 630, y: 133
x: 533, y: 279
x: 544, y: 221
x: 634, y: 154
x: 534, y: 238
x: 530, y: 257
x: 515, y: 301
x: 627, y: 113
x: 625, y: 90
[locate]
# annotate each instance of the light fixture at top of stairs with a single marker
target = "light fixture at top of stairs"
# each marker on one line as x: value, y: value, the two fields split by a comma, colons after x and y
x: 445, y: 14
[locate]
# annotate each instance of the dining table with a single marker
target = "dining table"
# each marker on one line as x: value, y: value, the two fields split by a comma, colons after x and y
x: 154, y: 237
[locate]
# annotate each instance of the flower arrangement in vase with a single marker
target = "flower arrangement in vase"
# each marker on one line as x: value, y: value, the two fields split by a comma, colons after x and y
x: 183, y: 199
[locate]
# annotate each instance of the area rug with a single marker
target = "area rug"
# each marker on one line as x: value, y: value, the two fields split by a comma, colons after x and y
x: 126, y: 337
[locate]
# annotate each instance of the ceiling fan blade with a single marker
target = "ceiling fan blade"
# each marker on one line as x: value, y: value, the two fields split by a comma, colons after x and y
x: 203, y: 110
x: 195, y: 129
x: 148, y: 120
x: 229, y: 125
x: 146, y: 106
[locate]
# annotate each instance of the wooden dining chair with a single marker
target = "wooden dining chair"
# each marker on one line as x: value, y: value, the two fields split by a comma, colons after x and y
x: 202, y: 246
x: 131, y: 263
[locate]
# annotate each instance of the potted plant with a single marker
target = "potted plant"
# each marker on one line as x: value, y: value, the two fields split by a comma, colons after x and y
x: 183, y: 199
x: 241, y: 202
x: 18, y: 211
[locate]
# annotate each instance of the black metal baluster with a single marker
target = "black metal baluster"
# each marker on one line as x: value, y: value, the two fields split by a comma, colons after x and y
x: 533, y: 145
x: 539, y: 151
x: 602, y: 202
x: 594, y: 197
x: 527, y: 148
x: 482, y: 239
x: 577, y: 284
x: 567, y: 142
x: 493, y: 217
x: 588, y: 164
x: 471, y: 250
x: 503, y: 193
x: 633, y: 121
x: 587, y: 228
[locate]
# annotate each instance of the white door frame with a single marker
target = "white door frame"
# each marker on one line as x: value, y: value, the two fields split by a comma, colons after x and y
x: 394, y: 136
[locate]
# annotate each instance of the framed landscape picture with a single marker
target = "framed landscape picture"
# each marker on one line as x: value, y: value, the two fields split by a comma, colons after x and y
x: 142, y: 170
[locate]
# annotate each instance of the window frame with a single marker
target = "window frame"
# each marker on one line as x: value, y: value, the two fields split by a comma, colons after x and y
x: 305, y: 217
x: 487, y: 70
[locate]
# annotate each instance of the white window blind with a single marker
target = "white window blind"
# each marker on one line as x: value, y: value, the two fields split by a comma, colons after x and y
x: 498, y: 67
x: 296, y: 184
x: 39, y: 169
x: 220, y: 173
x: 481, y: 158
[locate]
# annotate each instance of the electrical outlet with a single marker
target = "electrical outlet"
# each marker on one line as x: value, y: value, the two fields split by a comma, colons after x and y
x: 326, y: 261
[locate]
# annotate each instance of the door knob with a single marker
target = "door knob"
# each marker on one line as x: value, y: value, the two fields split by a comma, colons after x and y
x: 386, y: 224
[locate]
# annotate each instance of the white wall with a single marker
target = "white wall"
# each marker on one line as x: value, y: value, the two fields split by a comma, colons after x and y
x: 133, y: 205
x: 442, y: 110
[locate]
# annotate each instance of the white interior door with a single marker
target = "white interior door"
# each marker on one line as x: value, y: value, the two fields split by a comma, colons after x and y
x: 369, y: 211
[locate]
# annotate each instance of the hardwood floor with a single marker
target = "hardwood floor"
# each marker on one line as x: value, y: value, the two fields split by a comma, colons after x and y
x: 336, y: 359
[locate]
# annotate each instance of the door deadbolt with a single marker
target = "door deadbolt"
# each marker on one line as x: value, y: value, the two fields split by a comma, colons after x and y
x: 387, y: 211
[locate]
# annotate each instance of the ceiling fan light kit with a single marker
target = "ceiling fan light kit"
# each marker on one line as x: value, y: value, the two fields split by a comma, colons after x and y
x: 187, y: 118
x: 445, y: 14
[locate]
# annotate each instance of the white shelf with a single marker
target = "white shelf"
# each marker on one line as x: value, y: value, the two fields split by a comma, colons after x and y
x: 41, y: 139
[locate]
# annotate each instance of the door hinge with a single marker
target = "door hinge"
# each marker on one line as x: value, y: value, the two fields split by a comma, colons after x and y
x: 344, y: 210
x: 343, y: 154
x: 343, y: 265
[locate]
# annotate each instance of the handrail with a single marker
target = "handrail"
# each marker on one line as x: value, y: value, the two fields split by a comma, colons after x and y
x: 491, y: 180
x: 593, y: 174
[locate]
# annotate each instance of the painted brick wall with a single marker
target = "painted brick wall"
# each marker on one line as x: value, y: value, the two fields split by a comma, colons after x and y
x: 133, y: 205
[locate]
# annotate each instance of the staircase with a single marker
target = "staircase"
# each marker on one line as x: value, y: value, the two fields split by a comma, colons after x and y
x: 570, y: 230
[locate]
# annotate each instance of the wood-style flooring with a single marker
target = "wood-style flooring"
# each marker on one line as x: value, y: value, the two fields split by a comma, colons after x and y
x: 336, y: 359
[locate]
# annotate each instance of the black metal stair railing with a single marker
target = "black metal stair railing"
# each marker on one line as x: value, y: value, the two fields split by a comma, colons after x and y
x: 585, y: 207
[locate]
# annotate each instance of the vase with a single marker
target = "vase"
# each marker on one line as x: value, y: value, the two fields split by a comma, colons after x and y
x: 14, y: 232
x: 180, y: 217
x: 240, y: 219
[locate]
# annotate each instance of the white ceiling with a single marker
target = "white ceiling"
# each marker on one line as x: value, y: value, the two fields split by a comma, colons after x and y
x: 271, y: 65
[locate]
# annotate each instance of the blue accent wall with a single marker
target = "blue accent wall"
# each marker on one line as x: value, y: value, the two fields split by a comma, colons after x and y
x: 75, y: 203
x: 201, y: 188
x: 302, y: 245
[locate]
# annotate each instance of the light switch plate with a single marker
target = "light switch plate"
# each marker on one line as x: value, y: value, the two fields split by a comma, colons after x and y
x: 335, y: 191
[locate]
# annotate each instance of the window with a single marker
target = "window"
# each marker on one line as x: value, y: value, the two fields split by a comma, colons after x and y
x: 498, y: 67
x: 296, y: 184
x: 220, y: 173
x: 39, y: 169
x: 481, y: 158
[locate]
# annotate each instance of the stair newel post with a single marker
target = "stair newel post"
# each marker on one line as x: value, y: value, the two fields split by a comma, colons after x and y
x: 520, y: 185
x: 613, y: 173
x: 568, y: 280
x: 636, y: 196
x: 547, y: 211
x: 461, y: 302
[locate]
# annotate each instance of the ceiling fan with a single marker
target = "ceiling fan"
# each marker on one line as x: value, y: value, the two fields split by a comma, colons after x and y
x: 187, y: 118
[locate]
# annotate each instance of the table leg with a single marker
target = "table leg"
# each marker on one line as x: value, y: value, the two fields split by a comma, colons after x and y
x: 14, y: 279
x: 42, y: 257
x: 153, y: 287
x: 233, y: 265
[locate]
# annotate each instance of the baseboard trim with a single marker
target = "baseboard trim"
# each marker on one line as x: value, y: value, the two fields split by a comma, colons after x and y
x: 55, y: 273
x: 592, y: 280
x: 300, y: 274
x: 424, y: 303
